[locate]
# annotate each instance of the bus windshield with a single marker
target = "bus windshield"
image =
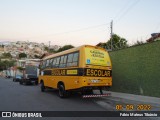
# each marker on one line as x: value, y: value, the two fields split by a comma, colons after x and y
x: 95, y: 56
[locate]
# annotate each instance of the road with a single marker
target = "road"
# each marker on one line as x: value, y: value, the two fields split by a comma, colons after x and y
x: 30, y: 98
x: 16, y: 97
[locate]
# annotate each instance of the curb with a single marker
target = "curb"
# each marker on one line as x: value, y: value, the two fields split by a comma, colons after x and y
x: 140, y: 98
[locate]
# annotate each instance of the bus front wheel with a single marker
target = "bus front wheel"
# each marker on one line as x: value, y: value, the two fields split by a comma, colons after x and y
x: 42, y: 87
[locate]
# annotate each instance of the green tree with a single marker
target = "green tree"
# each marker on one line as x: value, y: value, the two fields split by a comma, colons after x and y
x: 46, y: 48
x: 2, y: 46
x: 22, y: 55
x: 6, y: 64
x: 20, y: 68
x: 12, y: 63
x: 66, y: 47
x: 138, y: 43
x: 2, y: 66
x: 117, y: 43
x: 7, y: 55
x: 52, y: 50
x: 36, y: 56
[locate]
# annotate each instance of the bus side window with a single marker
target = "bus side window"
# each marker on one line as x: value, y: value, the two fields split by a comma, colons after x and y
x: 44, y: 64
x: 72, y: 59
x: 69, y: 60
x: 63, y: 61
x: 50, y: 63
x: 62, y: 58
x: 41, y: 65
x: 57, y: 62
x: 75, y: 57
x: 54, y: 62
x: 47, y: 63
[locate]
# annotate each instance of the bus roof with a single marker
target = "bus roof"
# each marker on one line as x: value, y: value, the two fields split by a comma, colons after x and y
x: 70, y: 50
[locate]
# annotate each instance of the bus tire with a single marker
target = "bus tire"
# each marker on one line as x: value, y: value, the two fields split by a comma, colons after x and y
x: 42, y: 87
x: 61, y: 91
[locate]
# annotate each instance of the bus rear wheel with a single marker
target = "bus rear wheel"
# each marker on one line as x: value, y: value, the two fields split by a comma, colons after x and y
x: 61, y: 90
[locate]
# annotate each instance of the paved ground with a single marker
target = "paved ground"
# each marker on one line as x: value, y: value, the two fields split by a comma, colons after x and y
x: 15, y: 97
x: 137, y: 101
x: 30, y: 98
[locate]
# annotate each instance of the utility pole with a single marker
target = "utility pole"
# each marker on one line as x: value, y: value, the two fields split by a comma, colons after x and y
x: 49, y: 46
x: 111, y: 33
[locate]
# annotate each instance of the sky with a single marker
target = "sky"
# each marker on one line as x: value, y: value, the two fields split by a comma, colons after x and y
x: 78, y: 22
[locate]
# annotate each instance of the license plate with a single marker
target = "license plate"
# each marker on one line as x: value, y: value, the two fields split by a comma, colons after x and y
x: 95, y: 81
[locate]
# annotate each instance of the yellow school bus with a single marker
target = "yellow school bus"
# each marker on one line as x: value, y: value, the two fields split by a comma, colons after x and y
x: 78, y: 69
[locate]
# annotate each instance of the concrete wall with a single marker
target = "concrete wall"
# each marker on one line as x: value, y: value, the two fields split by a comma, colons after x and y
x: 136, y: 69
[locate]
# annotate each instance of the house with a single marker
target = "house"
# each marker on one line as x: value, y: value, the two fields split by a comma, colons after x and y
x: 21, y: 63
x: 154, y: 37
x: 32, y: 49
x: 1, y: 50
x: 54, y: 47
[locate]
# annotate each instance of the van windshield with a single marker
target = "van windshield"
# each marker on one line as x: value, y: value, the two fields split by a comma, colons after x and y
x: 95, y: 56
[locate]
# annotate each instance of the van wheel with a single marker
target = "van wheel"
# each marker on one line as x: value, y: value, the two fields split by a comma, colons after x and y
x: 25, y: 83
x: 36, y: 82
x: 42, y: 87
x: 62, y: 92
x: 20, y: 82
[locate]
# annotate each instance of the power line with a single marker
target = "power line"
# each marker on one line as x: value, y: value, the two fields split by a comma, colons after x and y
x: 128, y: 9
x: 92, y: 27
x: 77, y: 30
x: 157, y: 27
x: 121, y: 10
